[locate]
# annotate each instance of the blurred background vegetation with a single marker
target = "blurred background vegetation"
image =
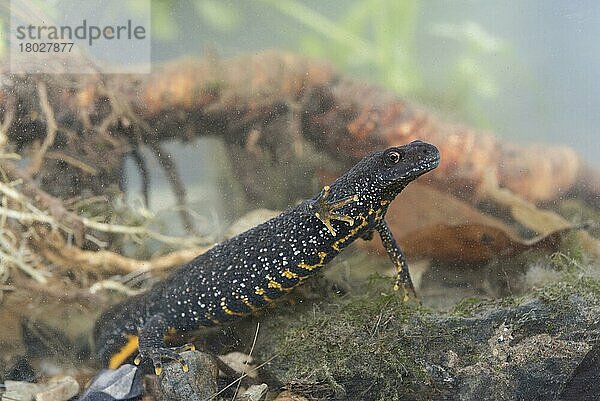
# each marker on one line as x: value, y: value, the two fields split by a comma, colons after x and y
x: 377, y: 40
x: 524, y: 70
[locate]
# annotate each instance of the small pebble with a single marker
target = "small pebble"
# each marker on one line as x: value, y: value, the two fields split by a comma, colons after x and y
x: 60, y: 390
x: 256, y: 392
x: 199, y: 383
x: 20, y: 371
x: 20, y: 391
x: 241, y: 363
x: 289, y: 396
x: 112, y: 385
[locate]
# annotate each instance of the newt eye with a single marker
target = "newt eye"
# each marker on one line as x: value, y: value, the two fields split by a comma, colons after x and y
x: 392, y: 157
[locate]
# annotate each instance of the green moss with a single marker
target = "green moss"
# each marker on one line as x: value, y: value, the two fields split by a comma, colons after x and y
x: 554, y: 293
x: 467, y: 306
x: 356, y: 347
x: 590, y: 285
x: 471, y: 306
x: 570, y: 261
x: 557, y: 293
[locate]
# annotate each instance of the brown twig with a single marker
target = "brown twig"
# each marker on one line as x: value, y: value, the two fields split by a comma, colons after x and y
x: 110, y: 262
x: 51, y: 128
x: 76, y: 225
x: 343, y: 118
x: 60, y: 291
x: 140, y: 162
x: 86, y: 168
x: 166, y: 161
x: 37, y: 217
x: 18, y: 261
x: 44, y: 201
x: 9, y: 114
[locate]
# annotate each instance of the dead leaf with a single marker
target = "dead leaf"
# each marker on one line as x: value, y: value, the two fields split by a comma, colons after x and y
x: 435, y: 225
x: 472, y: 243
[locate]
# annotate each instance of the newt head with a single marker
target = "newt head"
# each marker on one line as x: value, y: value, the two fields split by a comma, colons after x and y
x: 402, y: 164
x: 385, y: 173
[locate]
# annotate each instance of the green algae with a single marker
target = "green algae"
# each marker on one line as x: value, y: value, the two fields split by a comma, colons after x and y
x: 370, y: 345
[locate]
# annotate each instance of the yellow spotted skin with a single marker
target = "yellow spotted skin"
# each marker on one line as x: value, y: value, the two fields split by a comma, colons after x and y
x: 248, y: 272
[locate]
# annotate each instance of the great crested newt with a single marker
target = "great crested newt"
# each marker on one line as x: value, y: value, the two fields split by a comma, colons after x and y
x: 248, y: 272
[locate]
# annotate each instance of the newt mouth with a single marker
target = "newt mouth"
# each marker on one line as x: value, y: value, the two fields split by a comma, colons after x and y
x: 428, y: 165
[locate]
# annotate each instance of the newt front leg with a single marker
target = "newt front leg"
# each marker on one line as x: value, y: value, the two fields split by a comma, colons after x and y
x: 325, y: 211
x: 403, y: 279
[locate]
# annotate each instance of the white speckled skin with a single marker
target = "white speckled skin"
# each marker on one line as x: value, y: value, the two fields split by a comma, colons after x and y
x: 247, y: 272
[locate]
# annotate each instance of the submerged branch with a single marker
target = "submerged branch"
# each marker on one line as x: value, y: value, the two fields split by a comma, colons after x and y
x: 267, y: 108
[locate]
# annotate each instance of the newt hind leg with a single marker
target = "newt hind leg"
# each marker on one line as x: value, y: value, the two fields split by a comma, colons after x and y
x: 152, y: 345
